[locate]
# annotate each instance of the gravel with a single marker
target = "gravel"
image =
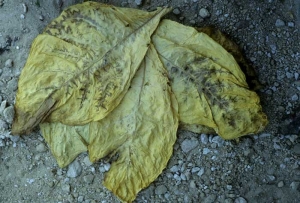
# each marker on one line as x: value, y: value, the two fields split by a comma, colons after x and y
x: 203, y: 168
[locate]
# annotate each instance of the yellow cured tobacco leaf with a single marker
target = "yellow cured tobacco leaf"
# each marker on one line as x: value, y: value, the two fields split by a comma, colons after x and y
x: 208, y: 84
x: 141, y: 131
x: 81, y: 66
x: 66, y: 142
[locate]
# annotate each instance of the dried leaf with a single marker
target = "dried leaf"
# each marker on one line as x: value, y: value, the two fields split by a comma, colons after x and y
x: 65, y: 142
x: 208, y: 84
x: 80, y: 68
x: 116, y: 81
x: 141, y: 130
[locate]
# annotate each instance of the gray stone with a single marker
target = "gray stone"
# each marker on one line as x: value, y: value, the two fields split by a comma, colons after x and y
x: 66, y: 188
x: 88, y: 179
x: 176, y: 11
x: 187, y: 145
x: 296, y: 149
x: 80, y: 199
x: 240, y: 200
x: 161, y: 189
x: 204, y: 13
x: 204, y: 138
x: 8, y: 114
x: 87, y: 161
x: 12, y: 85
x: 14, y: 138
x: 218, y: 140
x: 9, y: 63
x: 138, y: 2
x: 3, y: 125
x: 280, y: 184
x: 74, y: 169
x: 192, y: 184
x: 291, y: 24
x: 201, y: 172
x: 174, y: 169
x: 295, y: 97
x: 2, y: 107
x: 295, y: 185
x: 279, y: 23
x: 41, y: 147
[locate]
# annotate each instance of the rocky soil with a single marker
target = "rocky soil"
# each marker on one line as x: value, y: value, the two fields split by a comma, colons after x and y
x: 204, y: 168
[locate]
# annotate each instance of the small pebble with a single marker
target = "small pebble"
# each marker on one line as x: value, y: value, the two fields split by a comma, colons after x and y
x: 174, y: 169
x: 295, y: 97
x: 80, y: 199
x: 87, y: 161
x: 12, y: 85
x: 291, y: 24
x: 204, y: 138
x: 74, y: 169
x: 188, y: 144
x: 41, y: 17
x: 88, y: 179
x: 8, y: 114
x: 295, y: 185
x: 161, y: 189
x: 66, y: 188
x: 25, y: 9
x: 240, y: 200
x: 280, y: 184
x: 3, y: 125
x: 296, y: 149
x: 204, y: 13
x: 176, y: 11
x: 138, y: 2
x: 22, y: 16
x: 9, y: 63
x: 195, y: 169
x: 41, y: 147
x: 192, y: 184
x: 279, y: 23
x: 201, y: 172
x: 206, y: 150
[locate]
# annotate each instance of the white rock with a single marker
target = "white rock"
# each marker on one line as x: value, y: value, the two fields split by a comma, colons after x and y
x: 74, y: 169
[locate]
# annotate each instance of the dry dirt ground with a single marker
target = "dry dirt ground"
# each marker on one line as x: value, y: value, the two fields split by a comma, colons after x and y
x: 203, y: 168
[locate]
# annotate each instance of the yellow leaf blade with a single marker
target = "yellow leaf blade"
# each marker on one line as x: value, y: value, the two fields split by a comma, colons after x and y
x: 141, y: 130
x: 65, y: 142
x: 83, y: 63
x: 209, y: 86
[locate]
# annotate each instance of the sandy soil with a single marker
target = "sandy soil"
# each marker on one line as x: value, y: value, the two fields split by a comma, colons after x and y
x: 259, y: 168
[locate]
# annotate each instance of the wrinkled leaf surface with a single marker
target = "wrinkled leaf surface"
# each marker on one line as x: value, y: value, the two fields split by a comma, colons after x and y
x: 208, y: 84
x: 80, y: 68
x: 117, y: 81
